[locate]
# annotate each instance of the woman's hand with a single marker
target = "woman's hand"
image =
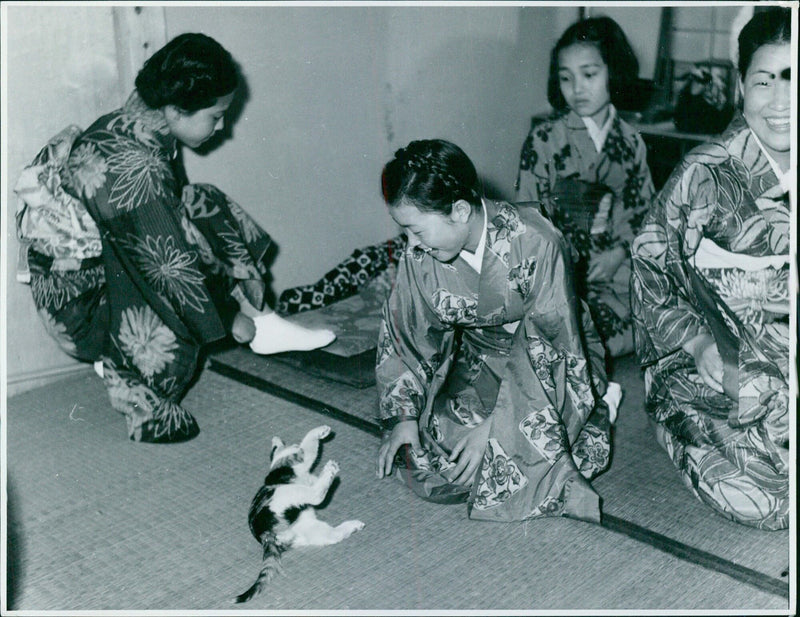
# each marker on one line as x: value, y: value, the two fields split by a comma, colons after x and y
x: 707, y: 359
x: 468, y: 453
x: 404, y: 432
x: 603, y: 266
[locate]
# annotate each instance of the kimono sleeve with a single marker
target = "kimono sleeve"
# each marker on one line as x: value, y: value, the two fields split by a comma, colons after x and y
x: 637, y: 193
x: 131, y: 191
x: 662, y: 302
x: 533, y: 178
x: 413, y: 346
x: 558, y: 329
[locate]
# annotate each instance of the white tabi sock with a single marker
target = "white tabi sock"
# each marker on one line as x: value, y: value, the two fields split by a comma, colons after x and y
x: 613, y: 397
x: 274, y: 334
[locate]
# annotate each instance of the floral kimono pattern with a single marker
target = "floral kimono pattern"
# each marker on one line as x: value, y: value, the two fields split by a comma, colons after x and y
x: 713, y: 257
x: 458, y: 348
x: 560, y: 166
x: 171, y: 254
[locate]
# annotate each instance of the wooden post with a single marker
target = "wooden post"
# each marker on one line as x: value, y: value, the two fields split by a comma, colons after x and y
x: 139, y: 32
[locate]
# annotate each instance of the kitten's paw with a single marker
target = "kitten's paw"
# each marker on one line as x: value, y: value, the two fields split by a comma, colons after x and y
x: 321, y: 432
x: 348, y: 528
x: 331, y: 468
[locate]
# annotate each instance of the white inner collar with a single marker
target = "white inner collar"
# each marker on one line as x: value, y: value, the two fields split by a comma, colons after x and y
x: 784, y: 177
x: 476, y: 259
x: 599, y: 134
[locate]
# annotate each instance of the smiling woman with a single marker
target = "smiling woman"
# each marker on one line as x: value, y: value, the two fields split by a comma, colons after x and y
x: 710, y: 296
x: 146, y: 268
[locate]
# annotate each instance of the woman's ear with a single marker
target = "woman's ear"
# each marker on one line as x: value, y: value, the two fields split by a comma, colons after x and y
x: 173, y: 113
x: 461, y: 211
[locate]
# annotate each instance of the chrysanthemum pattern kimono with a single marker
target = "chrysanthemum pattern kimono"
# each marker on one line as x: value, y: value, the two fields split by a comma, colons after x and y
x: 171, y: 254
x: 457, y: 348
x: 721, y: 224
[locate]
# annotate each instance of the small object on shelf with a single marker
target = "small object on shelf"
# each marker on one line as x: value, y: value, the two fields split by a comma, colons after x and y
x: 703, y: 105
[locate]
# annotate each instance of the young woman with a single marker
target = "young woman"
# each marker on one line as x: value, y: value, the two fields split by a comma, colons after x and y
x: 149, y: 267
x: 711, y: 296
x: 487, y: 392
x: 588, y: 168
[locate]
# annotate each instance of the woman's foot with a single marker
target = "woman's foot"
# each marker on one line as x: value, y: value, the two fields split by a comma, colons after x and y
x: 243, y: 329
x: 274, y: 334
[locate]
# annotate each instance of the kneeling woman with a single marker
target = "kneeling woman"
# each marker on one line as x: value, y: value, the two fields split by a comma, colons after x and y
x: 487, y: 392
x: 710, y: 296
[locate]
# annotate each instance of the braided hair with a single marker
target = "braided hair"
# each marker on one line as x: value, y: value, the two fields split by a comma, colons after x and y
x: 191, y: 72
x: 432, y: 174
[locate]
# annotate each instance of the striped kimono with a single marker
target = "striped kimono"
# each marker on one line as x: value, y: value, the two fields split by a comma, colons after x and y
x: 713, y: 257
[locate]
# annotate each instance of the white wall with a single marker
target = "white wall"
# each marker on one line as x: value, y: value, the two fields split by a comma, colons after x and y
x: 333, y: 92
x: 61, y: 69
x: 306, y: 153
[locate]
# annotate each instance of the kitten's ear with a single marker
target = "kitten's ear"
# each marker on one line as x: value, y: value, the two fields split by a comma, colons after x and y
x: 276, y: 443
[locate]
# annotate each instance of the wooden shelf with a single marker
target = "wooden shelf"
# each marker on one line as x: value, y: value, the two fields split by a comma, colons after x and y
x: 667, y: 129
x: 666, y: 146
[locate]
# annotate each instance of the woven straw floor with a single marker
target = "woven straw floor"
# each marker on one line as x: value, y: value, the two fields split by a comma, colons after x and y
x: 96, y: 522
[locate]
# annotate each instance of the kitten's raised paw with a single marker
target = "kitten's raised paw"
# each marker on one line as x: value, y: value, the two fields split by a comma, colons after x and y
x: 321, y: 432
x: 331, y: 467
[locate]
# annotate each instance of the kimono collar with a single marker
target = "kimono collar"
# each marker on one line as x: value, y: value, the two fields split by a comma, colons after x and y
x: 740, y: 140
x: 784, y: 177
x: 152, y: 121
x: 597, y: 133
x: 476, y: 259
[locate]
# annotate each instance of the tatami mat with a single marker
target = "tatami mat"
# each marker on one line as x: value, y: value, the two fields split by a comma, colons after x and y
x: 100, y: 523
x: 641, y: 491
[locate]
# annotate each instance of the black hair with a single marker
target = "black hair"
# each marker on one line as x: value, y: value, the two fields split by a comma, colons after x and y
x: 768, y: 26
x: 432, y: 174
x: 191, y: 72
x: 609, y: 39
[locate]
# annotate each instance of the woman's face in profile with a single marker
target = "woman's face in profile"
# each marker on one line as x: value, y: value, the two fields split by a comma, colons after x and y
x: 766, y: 89
x: 440, y: 235
x: 192, y: 129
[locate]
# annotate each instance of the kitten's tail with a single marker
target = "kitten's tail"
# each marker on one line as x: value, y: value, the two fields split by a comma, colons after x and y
x: 271, y: 565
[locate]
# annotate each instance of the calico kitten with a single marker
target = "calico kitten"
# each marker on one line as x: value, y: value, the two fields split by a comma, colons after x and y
x: 282, y: 512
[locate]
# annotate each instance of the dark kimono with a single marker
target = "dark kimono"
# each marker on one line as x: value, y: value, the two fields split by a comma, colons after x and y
x: 713, y: 257
x: 458, y: 348
x: 144, y: 279
x: 560, y: 166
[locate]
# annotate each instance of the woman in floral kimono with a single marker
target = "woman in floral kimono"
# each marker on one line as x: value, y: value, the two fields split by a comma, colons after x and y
x: 589, y: 168
x: 711, y: 297
x: 148, y: 268
x: 487, y: 390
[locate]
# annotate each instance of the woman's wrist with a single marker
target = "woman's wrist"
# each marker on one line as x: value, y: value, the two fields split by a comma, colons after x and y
x: 700, y: 341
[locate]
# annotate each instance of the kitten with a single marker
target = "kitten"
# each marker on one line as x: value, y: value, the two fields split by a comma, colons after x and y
x: 282, y: 512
